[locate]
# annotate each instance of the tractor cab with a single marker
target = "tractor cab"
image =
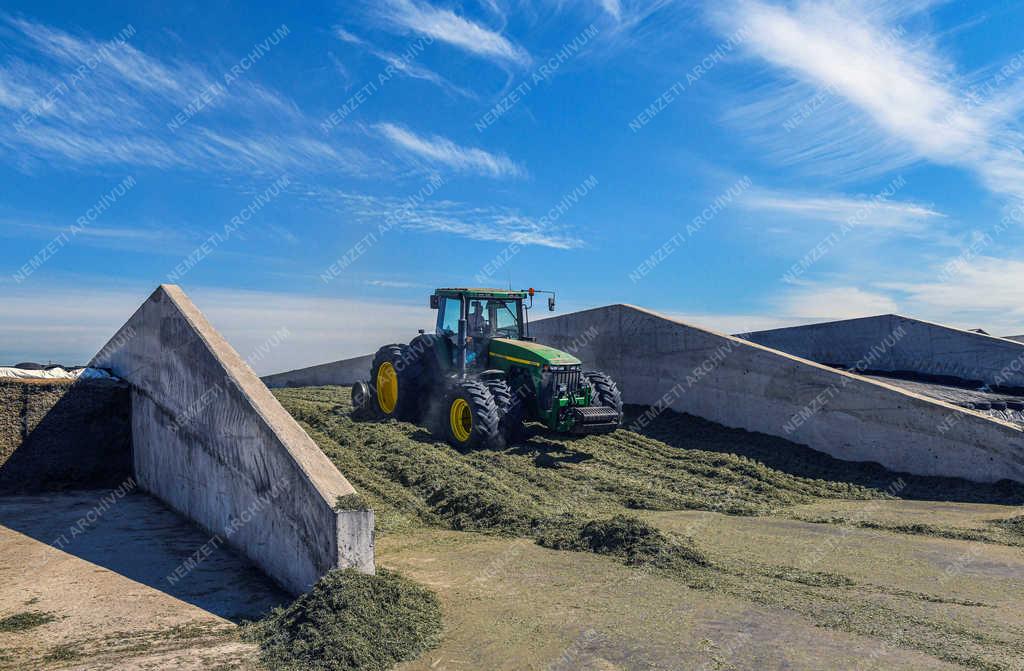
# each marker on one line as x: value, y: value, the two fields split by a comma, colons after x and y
x: 471, y: 318
x: 489, y: 313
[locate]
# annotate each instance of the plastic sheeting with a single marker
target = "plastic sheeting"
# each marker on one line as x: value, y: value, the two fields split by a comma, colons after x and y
x: 57, y: 373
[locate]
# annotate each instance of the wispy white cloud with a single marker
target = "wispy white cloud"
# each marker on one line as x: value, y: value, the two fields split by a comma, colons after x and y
x: 447, y: 26
x: 821, y: 303
x: 127, y: 61
x: 394, y: 284
x: 980, y: 291
x: 612, y: 7
x: 864, y: 95
x: 78, y: 100
x: 420, y: 72
x: 804, y: 305
x: 983, y: 289
x: 852, y: 91
x: 404, y: 65
x: 438, y: 149
x: 147, y: 235
x: 492, y: 223
x: 866, y: 212
x: 346, y: 36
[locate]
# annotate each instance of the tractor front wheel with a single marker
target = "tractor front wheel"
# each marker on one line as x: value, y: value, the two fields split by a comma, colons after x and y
x: 471, y: 420
x: 395, y: 380
x: 363, y: 403
x: 605, y: 392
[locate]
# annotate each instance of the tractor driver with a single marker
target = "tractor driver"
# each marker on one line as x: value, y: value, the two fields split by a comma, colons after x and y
x: 477, y: 324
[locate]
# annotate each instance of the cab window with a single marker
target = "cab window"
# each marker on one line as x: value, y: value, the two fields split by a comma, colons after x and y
x: 448, y: 321
x: 506, y: 319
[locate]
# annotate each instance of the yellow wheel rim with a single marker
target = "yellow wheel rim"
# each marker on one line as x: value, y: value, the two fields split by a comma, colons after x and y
x: 461, y: 418
x: 387, y: 388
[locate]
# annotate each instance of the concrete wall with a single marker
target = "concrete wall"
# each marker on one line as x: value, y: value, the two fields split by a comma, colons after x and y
x: 56, y: 434
x: 661, y: 362
x: 342, y: 372
x: 211, y: 441
x: 923, y: 347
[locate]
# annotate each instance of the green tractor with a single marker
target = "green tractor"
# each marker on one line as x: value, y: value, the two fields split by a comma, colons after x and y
x: 479, y: 376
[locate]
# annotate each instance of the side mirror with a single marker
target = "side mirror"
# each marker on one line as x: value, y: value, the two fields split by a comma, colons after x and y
x: 435, y: 301
x: 551, y: 303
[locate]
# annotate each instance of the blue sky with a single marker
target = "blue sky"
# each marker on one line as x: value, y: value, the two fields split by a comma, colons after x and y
x: 316, y: 170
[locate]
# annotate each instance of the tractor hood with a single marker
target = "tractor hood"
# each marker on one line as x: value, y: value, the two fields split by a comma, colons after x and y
x: 530, y: 353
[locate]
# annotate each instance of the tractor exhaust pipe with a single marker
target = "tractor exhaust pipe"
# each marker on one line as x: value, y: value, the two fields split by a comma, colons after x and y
x: 461, y: 348
x: 460, y: 342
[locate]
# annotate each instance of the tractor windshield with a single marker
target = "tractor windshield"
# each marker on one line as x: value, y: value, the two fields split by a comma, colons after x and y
x: 485, y: 317
x: 505, y: 318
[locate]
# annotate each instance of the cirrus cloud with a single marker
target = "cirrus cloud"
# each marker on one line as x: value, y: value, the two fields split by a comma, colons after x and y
x: 438, y: 149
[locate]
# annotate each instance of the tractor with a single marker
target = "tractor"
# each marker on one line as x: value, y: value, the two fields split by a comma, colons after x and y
x: 480, y: 376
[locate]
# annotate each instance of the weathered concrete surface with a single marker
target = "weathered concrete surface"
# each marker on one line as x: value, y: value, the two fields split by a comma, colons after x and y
x: 341, y: 372
x: 56, y: 434
x: 923, y: 347
x: 104, y: 563
x: 211, y: 441
x: 662, y: 362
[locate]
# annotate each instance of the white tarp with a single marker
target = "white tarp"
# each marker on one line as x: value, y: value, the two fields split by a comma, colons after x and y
x: 57, y: 373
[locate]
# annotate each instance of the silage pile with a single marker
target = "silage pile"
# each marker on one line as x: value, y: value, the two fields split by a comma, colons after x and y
x: 350, y: 622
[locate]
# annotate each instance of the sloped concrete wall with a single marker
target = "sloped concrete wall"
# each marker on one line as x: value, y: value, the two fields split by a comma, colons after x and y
x: 924, y: 347
x: 211, y: 441
x: 341, y: 372
x: 662, y: 362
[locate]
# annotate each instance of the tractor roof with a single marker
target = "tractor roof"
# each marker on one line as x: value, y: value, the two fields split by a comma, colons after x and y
x: 481, y: 292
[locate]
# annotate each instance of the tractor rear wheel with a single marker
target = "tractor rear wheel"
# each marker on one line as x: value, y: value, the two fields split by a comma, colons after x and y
x: 432, y: 351
x: 510, y: 409
x: 471, y: 419
x: 606, y: 392
x: 395, y: 378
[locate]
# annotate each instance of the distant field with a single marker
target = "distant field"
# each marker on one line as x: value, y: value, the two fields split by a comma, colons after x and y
x: 774, y: 554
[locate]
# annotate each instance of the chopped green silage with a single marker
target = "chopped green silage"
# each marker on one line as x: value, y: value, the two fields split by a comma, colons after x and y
x: 351, y: 502
x: 24, y: 621
x: 1014, y: 525
x: 350, y: 621
x: 581, y: 494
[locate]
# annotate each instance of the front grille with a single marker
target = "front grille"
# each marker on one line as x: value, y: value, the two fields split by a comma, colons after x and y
x: 595, y: 419
x: 596, y: 414
x: 570, y: 376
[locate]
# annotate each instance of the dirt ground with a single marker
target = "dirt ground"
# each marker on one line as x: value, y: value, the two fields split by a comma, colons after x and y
x: 512, y: 605
x: 508, y: 603
x: 810, y: 563
x: 99, y: 566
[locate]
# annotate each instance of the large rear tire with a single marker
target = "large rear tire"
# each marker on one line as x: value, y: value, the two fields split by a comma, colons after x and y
x: 510, y: 409
x: 471, y: 418
x: 396, y: 378
x: 433, y: 352
x: 606, y: 392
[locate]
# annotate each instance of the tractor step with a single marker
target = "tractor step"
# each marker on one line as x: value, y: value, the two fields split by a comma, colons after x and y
x: 594, y: 419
